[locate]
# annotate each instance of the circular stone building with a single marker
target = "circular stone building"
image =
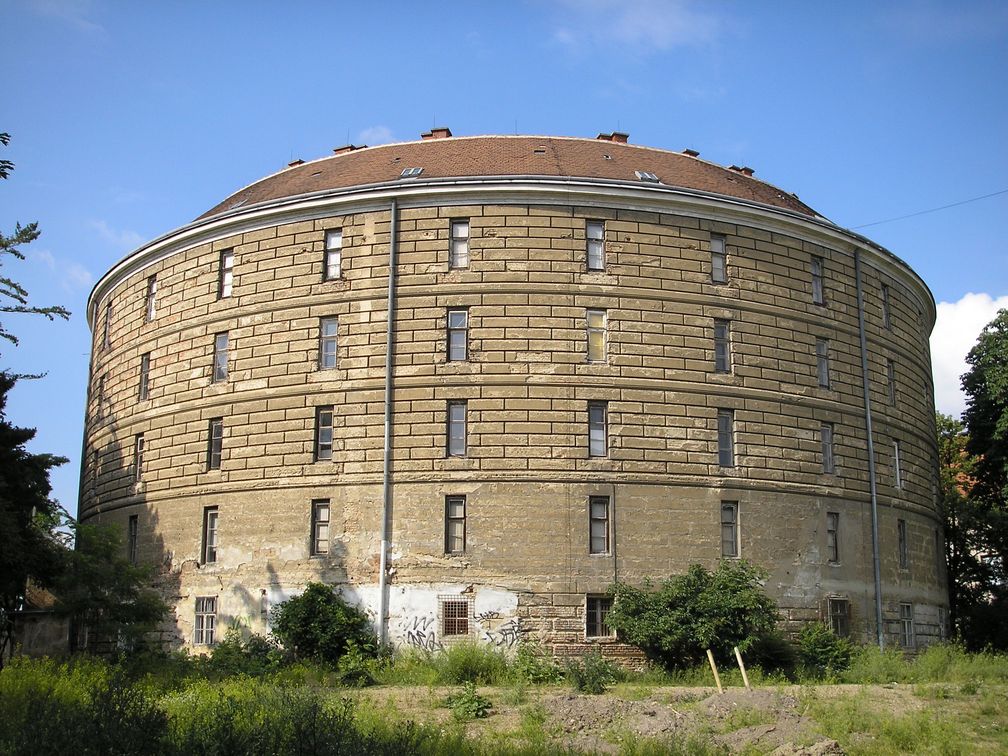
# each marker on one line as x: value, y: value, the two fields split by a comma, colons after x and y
x: 474, y: 381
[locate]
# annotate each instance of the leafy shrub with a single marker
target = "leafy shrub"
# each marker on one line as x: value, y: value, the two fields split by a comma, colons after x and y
x: 235, y: 655
x: 318, y: 624
x: 823, y: 652
x: 675, y: 624
x: 467, y: 704
x: 773, y: 653
x: 591, y: 674
x: 533, y: 666
x: 354, y: 668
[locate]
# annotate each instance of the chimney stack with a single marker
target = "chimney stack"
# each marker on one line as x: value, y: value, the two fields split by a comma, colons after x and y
x: 296, y: 161
x: 347, y: 148
x: 617, y: 136
x: 691, y: 153
x: 438, y: 132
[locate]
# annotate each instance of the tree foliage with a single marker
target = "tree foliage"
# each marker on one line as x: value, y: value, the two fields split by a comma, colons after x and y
x: 687, y: 614
x: 318, y: 624
x: 986, y: 415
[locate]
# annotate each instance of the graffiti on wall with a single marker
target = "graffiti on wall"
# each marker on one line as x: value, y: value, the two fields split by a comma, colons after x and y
x: 421, y: 633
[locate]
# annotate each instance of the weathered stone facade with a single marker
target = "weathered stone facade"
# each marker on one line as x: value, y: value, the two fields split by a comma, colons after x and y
x: 527, y: 476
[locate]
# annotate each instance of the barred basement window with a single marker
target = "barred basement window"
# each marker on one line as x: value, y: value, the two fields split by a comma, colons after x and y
x: 458, y: 253
x: 833, y: 537
x: 595, y: 238
x: 323, y: 433
x: 320, y: 527
x: 901, y: 535
x: 328, y: 329
x: 839, y: 617
x: 138, y: 455
x: 722, y: 353
x: 598, y: 431
x: 454, y: 617
x: 132, y: 534
x: 595, y: 322
x: 225, y: 274
x: 719, y: 260
x: 215, y: 444
x: 822, y: 362
x: 456, y: 431
x: 598, y: 524
x: 817, y: 281
x: 220, y: 358
x: 150, y: 307
x: 332, y: 262
x: 907, y: 639
x: 205, y: 621
x: 143, y: 392
x: 455, y: 524
x: 725, y: 432
x: 828, y: 460
x: 458, y: 335
x: 596, y: 612
x: 208, y: 553
x: 729, y: 529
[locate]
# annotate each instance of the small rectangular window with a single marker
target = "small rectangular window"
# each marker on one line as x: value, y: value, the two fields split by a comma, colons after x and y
x: 100, y: 398
x: 332, y: 265
x: 906, y: 626
x: 719, y: 260
x: 817, y: 281
x: 150, y: 307
x: 225, y: 277
x: 458, y: 335
x: 725, y: 434
x: 143, y: 393
x: 456, y: 429
x: 595, y: 322
x: 215, y: 445
x: 220, y: 357
x: 891, y: 381
x: 107, y: 334
x: 595, y: 239
x: 454, y: 617
x: 132, y: 535
x: 598, y: 524
x: 458, y: 254
x: 839, y: 617
x: 886, y: 319
x: 904, y: 552
x: 323, y: 433
x: 455, y: 524
x: 822, y: 362
x: 205, y: 621
x: 729, y: 529
x: 833, y: 537
x: 209, y: 550
x: 328, y: 329
x: 722, y: 348
x: 138, y: 455
x: 897, y: 472
x: 320, y: 527
x: 598, y: 431
x: 828, y: 460
x: 596, y: 613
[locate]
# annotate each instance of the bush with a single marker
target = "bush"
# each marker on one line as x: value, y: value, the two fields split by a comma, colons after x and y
x: 591, y: 674
x: 319, y: 625
x: 235, y: 655
x: 467, y: 704
x: 822, y: 652
x: 688, y: 614
x: 533, y: 666
x: 773, y: 653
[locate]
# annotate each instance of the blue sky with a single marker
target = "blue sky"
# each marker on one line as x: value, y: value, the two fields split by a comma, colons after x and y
x: 130, y: 119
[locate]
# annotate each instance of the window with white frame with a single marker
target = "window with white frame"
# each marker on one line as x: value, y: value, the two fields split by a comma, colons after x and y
x: 725, y: 438
x: 722, y: 346
x: 595, y: 323
x: 328, y: 332
x: 598, y: 524
x: 729, y: 529
x: 897, y: 472
x: 595, y: 239
x: 598, y: 441
x: 458, y: 334
x: 833, y: 537
x: 906, y: 625
x: 456, y: 430
x: 208, y: 554
x: 455, y: 525
x: 826, y: 437
x: 719, y: 260
x: 320, y: 515
x: 822, y: 362
x: 324, y: 417
x: 332, y: 264
x: 596, y: 613
x: 839, y: 616
x: 225, y: 275
x: 215, y: 444
x: 138, y: 455
x: 143, y: 390
x: 205, y: 621
x: 150, y: 304
x: 220, y: 357
x: 458, y: 252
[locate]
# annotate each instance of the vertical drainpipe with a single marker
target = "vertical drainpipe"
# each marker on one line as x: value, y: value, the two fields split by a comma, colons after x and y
x: 866, y: 384
x: 383, y: 588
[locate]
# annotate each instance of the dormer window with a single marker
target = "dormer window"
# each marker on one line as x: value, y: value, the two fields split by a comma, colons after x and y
x: 647, y: 176
x: 410, y: 172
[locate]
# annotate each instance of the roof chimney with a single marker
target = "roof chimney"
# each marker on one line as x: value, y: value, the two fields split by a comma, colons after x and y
x: 691, y: 153
x: 348, y: 148
x: 747, y: 170
x: 438, y: 132
x: 616, y: 136
x: 296, y: 161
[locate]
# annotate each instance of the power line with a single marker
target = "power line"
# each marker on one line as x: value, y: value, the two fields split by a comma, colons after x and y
x: 932, y: 210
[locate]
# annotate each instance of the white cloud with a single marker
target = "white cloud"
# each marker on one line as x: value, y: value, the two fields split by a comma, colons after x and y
x: 73, y: 12
x: 956, y: 330
x: 123, y: 240
x: 75, y: 277
x: 46, y: 257
x: 373, y: 135
x: 643, y: 25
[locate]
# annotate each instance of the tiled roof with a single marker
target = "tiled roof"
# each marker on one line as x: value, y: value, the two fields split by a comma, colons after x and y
x: 456, y: 157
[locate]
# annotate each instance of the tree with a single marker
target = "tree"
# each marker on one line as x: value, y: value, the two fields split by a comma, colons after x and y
x: 29, y: 547
x: 986, y: 415
x: 318, y: 624
x: 690, y: 613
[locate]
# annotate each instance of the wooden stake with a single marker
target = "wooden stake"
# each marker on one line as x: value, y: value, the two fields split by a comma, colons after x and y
x: 713, y: 666
x: 745, y: 677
